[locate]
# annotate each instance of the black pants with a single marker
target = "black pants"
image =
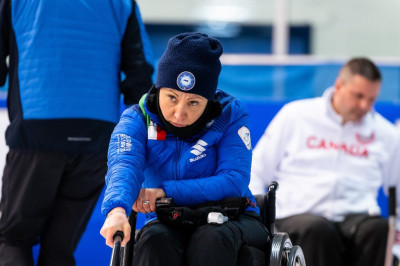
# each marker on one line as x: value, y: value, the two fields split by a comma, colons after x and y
x: 210, y: 244
x: 357, y: 241
x: 47, y: 198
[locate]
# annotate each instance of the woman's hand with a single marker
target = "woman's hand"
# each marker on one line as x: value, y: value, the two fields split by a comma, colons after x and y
x: 116, y: 221
x: 146, y: 201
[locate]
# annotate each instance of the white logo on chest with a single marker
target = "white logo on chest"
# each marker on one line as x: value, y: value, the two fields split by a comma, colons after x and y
x: 198, y: 150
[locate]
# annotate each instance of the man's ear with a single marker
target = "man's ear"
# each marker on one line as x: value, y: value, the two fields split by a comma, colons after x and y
x: 338, y: 84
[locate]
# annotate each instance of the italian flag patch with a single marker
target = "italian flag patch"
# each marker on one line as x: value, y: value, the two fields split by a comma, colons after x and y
x: 155, y: 132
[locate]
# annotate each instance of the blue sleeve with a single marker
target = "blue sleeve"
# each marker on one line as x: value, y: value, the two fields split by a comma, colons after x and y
x: 5, y: 25
x: 136, y: 61
x: 232, y: 176
x: 126, y: 161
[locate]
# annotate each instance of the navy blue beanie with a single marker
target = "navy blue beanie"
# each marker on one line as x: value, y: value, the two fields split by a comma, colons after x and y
x: 191, y: 64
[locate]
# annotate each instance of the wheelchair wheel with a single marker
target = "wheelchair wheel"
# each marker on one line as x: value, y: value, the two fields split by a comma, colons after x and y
x: 280, y: 249
x: 296, y: 257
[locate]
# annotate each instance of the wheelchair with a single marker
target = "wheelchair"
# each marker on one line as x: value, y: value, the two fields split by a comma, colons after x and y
x: 281, y: 252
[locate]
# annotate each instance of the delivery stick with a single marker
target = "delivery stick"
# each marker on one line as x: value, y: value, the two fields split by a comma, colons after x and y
x: 392, y: 227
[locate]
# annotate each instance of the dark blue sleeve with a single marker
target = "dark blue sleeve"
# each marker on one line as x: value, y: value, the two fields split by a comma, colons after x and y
x: 5, y: 24
x: 136, y: 59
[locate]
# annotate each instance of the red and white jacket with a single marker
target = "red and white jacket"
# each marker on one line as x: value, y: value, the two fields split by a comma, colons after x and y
x: 323, y: 166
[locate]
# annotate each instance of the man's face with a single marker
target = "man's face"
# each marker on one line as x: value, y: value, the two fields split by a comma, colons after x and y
x: 354, y: 97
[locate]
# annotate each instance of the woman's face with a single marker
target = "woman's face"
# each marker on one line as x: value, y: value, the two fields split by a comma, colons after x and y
x: 181, y: 109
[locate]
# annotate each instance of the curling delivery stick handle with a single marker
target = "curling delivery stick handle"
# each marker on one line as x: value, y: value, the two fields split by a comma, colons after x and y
x: 115, y: 255
x: 392, y: 227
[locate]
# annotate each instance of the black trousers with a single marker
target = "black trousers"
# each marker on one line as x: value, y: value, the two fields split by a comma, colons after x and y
x: 210, y: 244
x: 47, y: 198
x: 357, y: 241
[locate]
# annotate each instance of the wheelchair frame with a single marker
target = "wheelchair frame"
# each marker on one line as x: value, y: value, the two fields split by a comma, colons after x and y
x: 281, y: 253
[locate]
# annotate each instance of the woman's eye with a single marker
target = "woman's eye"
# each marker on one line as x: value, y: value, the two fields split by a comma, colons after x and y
x: 172, y: 98
x: 193, y: 103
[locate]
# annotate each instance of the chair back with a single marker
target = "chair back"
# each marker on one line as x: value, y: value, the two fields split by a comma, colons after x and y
x: 266, y: 204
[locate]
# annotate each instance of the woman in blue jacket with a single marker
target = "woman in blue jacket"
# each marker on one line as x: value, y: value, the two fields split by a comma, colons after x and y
x: 188, y: 141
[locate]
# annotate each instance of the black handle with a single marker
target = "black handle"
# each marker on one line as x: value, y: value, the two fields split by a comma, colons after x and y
x: 273, y: 186
x: 118, y: 236
x: 271, y: 213
x: 115, y: 256
x: 165, y: 202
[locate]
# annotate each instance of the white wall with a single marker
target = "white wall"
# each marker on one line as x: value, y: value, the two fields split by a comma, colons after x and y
x: 340, y: 27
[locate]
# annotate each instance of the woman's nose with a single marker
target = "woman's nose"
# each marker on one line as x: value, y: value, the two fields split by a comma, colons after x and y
x: 180, y: 112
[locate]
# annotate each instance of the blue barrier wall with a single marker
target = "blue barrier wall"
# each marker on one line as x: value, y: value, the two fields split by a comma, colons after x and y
x: 287, y: 82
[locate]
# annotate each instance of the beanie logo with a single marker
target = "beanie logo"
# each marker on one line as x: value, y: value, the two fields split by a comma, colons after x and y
x: 185, y: 81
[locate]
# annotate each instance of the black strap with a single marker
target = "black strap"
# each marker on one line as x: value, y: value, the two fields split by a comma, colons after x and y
x: 196, y: 215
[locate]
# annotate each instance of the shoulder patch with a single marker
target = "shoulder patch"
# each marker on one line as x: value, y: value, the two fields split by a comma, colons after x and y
x: 244, y: 134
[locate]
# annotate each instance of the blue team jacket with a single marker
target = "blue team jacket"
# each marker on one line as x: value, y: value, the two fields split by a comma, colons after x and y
x: 213, y: 165
x: 65, y: 65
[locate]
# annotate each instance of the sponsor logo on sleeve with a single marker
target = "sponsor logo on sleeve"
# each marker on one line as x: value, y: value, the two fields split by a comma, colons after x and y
x: 244, y: 134
x: 124, y: 143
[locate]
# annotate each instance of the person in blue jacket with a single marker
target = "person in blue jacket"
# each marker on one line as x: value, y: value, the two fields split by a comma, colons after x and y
x: 64, y: 67
x: 188, y: 141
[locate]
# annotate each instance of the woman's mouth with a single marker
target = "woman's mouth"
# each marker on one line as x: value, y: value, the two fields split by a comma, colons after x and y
x: 177, y: 125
